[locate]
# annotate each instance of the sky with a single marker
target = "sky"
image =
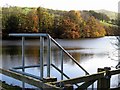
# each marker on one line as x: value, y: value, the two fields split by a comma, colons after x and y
x: 111, y: 5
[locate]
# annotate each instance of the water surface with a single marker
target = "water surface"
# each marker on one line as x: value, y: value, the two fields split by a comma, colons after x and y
x: 90, y: 53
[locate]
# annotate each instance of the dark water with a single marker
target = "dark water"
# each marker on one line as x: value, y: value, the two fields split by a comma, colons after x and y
x: 90, y: 53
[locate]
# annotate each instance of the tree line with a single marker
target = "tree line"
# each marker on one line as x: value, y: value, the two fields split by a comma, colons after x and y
x: 59, y: 24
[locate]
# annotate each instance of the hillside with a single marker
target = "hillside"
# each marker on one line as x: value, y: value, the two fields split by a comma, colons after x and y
x: 110, y: 14
x: 59, y: 24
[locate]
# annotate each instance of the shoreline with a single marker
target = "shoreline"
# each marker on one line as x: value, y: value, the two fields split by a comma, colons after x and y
x: 5, y: 86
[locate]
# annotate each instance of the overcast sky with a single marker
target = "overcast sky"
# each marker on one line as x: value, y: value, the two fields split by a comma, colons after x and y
x: 111, y: 5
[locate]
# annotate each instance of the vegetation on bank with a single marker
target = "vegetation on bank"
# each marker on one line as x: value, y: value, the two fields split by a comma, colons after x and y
x: 59, y: 24
x: 5, y: 86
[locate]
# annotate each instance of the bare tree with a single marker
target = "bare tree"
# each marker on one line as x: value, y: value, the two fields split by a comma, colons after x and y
x: 118, y: 49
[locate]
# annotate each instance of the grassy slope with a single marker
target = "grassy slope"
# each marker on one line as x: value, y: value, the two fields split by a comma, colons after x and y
x: 112, y: 15
x: 107, y: 24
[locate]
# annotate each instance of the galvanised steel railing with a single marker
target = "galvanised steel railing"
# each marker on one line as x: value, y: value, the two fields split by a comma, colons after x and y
x: 50, y: 39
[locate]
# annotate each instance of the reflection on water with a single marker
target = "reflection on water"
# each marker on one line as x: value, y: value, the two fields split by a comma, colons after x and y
x: 90, y: 53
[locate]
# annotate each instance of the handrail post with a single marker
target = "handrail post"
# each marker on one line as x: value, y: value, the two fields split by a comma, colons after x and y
x: 49, y: 38
x: 62, y: 64
x: 104, y: 83
x: 41, y: 56
x: 23, y: 59
x: 49, y: 56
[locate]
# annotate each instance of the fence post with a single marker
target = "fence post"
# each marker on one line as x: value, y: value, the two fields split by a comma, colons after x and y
x: 41, y: 56
x: 23, y: 60
x: 61, y: 64
x: 104, y: 83
x: 23, y: 52
x: 49, y: 57
x: 68, y: 87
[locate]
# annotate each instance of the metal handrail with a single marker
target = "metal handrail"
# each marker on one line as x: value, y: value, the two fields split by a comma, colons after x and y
x: 29, y: 34
x: 23, y: 35
x: 69, y: 55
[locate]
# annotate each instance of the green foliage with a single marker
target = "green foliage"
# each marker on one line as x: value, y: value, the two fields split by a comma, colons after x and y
x: 11, y: 25
x: 45, y: 19
x: 60, y: 24
x: 29, y: 22
x: 100, y: 16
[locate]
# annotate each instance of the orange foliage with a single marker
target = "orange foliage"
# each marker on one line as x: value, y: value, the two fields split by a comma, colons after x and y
x: 71, y: 30
x: 93, y: 28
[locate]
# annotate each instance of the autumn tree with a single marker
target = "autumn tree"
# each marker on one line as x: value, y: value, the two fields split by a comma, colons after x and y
x: 32, y: 21
x: 70, y: 29
x: 57, y: 31
x: 93, y: 28
x: 75, y: 16
x: 28, y: 22
x: 46, y: 20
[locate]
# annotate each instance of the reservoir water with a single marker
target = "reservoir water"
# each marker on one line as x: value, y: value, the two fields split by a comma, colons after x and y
x: 90, y: 53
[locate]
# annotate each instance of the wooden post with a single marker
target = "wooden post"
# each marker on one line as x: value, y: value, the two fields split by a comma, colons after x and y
x: 104, y: 83
x: 68, y: 87
x: 65, y: 86
x: 49, y: 79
